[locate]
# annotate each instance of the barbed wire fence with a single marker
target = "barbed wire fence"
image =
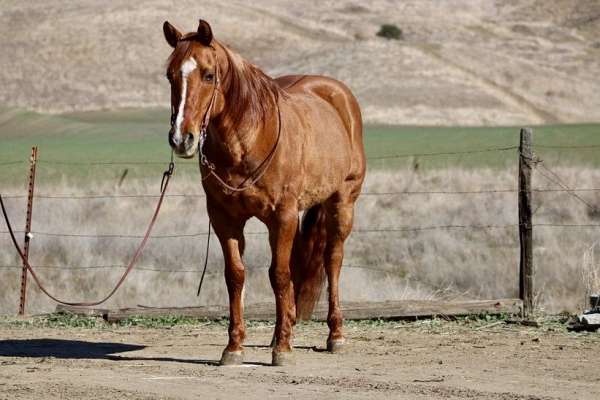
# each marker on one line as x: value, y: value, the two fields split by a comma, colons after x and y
x: 531, y: 161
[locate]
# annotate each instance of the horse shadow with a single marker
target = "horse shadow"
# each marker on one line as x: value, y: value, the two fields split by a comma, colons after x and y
x: 78, y: 349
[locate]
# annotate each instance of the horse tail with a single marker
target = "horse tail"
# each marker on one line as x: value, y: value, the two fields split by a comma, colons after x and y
x: 308, y: 269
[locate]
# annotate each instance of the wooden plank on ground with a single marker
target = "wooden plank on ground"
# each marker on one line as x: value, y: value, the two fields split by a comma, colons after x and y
x: 423, y: 308
x: 85, y: 311
x: 351, y: 310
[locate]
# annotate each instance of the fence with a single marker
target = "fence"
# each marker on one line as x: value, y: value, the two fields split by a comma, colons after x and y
x: 524, y: 190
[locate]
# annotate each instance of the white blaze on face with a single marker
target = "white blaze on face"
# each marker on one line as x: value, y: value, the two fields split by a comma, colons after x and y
x: 186, y: 69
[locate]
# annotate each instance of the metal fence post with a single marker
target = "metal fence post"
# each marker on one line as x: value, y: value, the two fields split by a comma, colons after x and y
x: 23, y: 296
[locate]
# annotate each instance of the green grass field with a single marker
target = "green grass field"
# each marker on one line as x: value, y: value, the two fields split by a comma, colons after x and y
x: 140, y: 136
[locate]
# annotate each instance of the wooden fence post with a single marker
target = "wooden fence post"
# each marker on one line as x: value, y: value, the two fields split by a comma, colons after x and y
x: 23, y: 296
x: 525, y: 222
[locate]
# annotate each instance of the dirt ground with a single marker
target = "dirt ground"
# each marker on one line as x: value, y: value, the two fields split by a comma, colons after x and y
x: 422, y: 360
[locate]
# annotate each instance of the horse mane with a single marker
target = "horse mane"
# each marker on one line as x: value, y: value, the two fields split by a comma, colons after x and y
x: 249, y: 93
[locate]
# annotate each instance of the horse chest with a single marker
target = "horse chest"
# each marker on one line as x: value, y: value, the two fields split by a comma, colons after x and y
x: 248, y: 203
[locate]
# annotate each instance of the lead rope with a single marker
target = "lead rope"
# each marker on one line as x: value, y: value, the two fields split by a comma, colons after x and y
x: 205, y: 260
x: 164, y: 185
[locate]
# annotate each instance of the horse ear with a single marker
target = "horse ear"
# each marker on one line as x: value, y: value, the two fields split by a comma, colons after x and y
x: 205, y: 35
x: 172, y: 35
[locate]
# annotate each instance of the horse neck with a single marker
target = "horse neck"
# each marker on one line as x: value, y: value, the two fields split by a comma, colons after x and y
x: 238, y: 139
x: 233, y: 144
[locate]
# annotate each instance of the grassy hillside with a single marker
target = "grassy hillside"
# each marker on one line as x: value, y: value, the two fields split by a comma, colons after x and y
x: 461, y: 62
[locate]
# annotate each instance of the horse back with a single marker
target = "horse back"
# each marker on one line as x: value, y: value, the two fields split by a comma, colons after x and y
x: 339, y: 97
x: 326, y: 120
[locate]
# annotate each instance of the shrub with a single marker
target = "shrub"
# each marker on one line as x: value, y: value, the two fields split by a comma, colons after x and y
x: 390, y: 31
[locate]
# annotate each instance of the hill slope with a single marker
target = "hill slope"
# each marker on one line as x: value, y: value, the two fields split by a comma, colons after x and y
x: 466, y: 62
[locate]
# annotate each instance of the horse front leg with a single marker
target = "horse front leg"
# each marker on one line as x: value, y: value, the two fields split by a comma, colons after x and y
x: 231, y: 237
x: 282, y: 230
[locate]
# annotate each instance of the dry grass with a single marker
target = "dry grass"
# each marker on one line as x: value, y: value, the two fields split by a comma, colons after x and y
x: 467, y: 263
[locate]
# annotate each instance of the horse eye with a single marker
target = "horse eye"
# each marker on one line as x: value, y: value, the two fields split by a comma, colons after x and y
x: 209, y: 77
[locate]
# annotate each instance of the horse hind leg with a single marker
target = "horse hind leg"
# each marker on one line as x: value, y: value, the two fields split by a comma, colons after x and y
x: 339, y: 217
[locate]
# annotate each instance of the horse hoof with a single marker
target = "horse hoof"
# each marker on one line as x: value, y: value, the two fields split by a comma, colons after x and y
x: 232, y: 358
x: 335, y: 345
x: 281, y: 359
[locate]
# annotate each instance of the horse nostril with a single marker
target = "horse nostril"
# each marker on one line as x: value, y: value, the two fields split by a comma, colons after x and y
x: 173, y: 141
x: 189, y: 138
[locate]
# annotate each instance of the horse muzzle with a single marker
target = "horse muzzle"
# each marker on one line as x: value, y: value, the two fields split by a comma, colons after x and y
x: 185, y: 145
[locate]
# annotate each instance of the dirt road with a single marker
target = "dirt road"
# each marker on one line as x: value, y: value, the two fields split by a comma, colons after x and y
x: 423, y: 360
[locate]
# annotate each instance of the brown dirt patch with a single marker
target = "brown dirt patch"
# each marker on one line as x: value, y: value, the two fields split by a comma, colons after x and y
x: 408, y: 361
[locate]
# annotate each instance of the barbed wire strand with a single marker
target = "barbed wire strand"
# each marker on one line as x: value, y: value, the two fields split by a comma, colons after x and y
x: 15, y: 162
x: 444, y: 153
x: 390, y: 156
x: 383, y: 157
x: 60, y: 162
x: 557, y: 225
x: 558, y: 181
x: 156, y: 269
x: 260, y: 233
x: 389, y: 193
x: 581, y: 147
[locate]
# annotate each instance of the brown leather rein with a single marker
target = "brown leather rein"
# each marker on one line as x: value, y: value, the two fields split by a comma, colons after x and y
x: 203, y: 161
x: 164, y: 184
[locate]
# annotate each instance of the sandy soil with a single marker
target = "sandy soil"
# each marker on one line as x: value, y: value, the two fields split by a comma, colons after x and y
x: 423, y: 360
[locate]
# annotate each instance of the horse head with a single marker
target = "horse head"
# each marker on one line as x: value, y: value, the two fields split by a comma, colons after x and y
x: 193, y: 72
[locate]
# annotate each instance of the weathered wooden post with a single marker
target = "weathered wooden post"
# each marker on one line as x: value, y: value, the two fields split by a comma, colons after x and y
x: 23, y: 296
x: 525, y: 222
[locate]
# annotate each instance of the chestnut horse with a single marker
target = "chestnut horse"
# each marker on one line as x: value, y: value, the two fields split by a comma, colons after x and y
x: 269, y: 148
